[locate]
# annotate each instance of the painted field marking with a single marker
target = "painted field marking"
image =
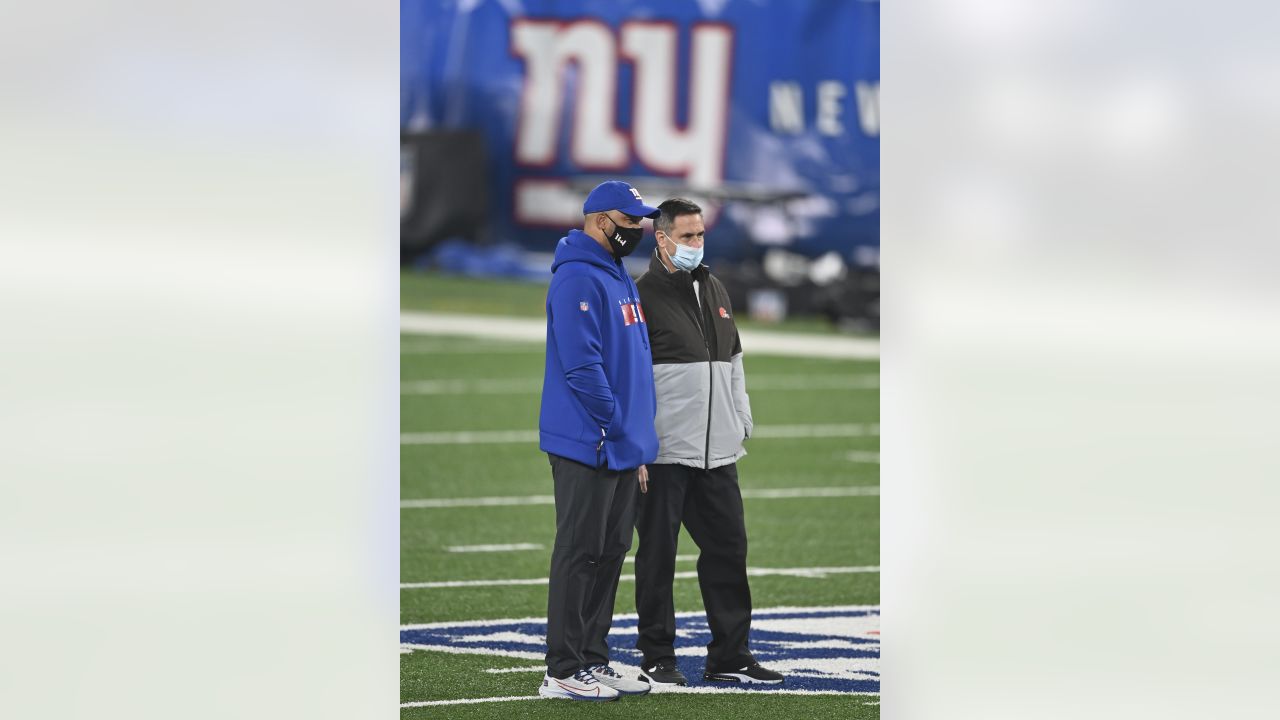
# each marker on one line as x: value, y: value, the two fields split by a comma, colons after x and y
x: 816, y: 573
x: 747, y: 494
x: 458, y: 386
x: 767, y: 432
x: 813, y: 492
x: 678, y: 690
x: 470, y: 348
x: 469, y: 701
x: 815, y: 431
x: 823, y: 650
x: 505, y: 386
x: 813, y: 382
x: 493, y: 548
x: 679, y: 558
x: 534, y: 330
x: 477, y: 501
x: 469, y: 437
x: 632, y: 616
x: 863, y: 456
x: 455, y: 650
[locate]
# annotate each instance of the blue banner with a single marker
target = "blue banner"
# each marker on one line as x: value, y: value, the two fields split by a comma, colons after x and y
x: 764, y: 112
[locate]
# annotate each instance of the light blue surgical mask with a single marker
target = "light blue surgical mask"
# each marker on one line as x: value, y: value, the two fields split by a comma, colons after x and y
x: 686, y: 258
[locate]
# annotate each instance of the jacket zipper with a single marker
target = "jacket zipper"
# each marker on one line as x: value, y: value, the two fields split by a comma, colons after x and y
x: 711, y: 379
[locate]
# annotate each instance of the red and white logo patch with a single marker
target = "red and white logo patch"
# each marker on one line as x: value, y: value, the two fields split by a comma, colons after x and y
x: 583, y: 306
x: 724, y: 313
x: 631, y: 313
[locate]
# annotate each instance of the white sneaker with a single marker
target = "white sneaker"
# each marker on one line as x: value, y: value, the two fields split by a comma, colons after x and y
x: 582, y: 685
x: 625, y: 686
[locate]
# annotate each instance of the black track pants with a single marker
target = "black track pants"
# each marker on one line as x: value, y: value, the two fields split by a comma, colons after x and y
x: 710, y: 505
x: 595, y: 513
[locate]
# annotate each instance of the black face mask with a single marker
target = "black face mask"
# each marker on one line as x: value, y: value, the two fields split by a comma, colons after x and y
x: 624, y: 240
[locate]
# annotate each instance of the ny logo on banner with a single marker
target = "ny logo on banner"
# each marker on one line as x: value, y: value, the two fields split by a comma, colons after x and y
x: 695, y: 151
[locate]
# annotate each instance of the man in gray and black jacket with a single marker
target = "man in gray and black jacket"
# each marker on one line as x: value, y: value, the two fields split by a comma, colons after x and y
x: 703, y: 416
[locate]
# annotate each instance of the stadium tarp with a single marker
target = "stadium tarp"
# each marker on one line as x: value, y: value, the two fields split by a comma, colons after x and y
x: 767, y: 113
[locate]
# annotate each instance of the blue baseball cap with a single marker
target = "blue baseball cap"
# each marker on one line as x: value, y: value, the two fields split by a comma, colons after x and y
x: 617, y: 195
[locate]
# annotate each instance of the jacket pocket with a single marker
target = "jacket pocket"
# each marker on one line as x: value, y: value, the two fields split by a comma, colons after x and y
x: 615, y: 429
x: 681, y: 421
x: 727, y: 430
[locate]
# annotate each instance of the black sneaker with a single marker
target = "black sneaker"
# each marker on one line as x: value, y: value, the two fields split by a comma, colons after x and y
x: 663, y: 672
x: 751, y: 673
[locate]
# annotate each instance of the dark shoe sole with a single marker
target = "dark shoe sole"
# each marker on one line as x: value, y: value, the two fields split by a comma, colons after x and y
x: 738, y: 678
x: 659, y: 683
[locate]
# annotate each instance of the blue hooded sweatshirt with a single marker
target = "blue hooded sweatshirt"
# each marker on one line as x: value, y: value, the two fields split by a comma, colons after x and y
x: 599, y: 373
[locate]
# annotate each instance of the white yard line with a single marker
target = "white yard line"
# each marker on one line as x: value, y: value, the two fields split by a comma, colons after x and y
x: 817, y: 573
x: 747, y: 494
x: 477, y: 501
x: 471, y: 583
x: 679, y: 558
x: 491, y: 327
x: 459, y: 650
x: 535, y: 330
x: 485, y: 386
x: 815, y: 431
x: 702, y: 690
x: 526, y: 385
x: 812, y: 382
x: 757, y: 612
x: 809, y: 492
x: 767, y: 432
x: 468, y: 701
x: 469, y: 347
x: 863, y: 456
x: 469, y: 437
x: 493, y: 548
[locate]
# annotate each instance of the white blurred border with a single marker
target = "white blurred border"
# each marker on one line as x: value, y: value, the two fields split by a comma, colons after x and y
x: 199, y: 396
x: 1080, y: 353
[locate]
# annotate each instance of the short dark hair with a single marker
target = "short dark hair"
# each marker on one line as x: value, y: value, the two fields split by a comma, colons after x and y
x: 672, y: 209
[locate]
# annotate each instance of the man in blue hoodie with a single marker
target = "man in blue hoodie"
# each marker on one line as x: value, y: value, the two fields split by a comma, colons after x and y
x: 596, y: 426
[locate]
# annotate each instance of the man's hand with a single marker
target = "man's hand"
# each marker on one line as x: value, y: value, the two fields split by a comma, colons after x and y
x: 643, y: 474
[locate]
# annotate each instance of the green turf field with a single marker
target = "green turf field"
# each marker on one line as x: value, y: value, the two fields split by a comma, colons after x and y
x: 446, y: 293
x: 486, y: 385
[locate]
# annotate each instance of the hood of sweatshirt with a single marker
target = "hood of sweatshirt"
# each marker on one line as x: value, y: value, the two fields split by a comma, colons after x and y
x: 578, y: 246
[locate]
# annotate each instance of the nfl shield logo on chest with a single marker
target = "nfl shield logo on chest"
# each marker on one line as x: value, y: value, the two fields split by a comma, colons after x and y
x: 583, y: 306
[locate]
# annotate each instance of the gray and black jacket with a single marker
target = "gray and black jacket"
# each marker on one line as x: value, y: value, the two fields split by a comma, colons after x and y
x: 704, y: 413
